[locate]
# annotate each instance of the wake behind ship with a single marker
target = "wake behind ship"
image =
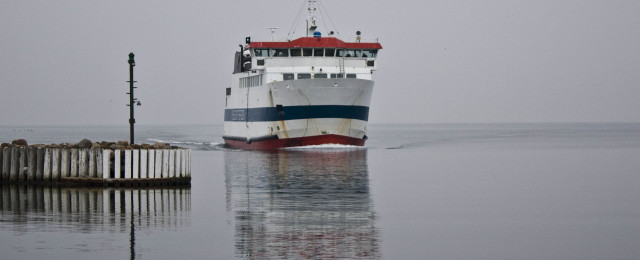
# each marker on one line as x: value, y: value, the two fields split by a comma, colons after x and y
x: 312, y: 90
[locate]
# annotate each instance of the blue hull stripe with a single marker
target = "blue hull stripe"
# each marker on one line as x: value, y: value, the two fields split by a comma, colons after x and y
x: 265, y: 114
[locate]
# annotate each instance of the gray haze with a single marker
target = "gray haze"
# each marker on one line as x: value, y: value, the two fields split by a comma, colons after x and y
x: 65, y: 62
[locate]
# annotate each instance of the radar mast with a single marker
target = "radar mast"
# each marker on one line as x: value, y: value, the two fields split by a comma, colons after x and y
x: 311, y: 18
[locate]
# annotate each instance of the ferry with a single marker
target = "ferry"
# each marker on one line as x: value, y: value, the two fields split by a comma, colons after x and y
x: 311, y: 90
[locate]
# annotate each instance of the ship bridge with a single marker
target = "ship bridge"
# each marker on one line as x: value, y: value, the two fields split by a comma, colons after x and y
x: 308, y: 58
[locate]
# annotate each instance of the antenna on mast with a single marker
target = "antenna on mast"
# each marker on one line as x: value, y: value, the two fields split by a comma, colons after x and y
x: 311, y: 18
x: 273, y: 33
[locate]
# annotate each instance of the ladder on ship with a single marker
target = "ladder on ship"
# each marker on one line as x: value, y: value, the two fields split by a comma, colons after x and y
x: 342, y: 66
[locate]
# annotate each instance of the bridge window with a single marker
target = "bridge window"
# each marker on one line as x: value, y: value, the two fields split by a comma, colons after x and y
x: 329, y: 52
x: 318, y: 52
x: 341, y: 53
x: 280, y: 52
x: 261, y: 52
x: 337, y: 75
x: 350, y: 54
x: 369, y: 53
x: 287, y: 76
x: 304, y: 75
x: 307, y: 52
x: 296, y: 52
x: 320, y: 75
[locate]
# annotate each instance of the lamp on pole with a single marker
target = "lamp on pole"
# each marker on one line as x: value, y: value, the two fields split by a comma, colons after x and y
x: 132, y: 100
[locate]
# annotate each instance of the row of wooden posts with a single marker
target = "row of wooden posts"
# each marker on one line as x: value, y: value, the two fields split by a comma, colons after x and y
x: 32, y: 164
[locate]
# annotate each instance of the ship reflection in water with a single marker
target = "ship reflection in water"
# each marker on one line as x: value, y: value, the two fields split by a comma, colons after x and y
x: 93, y: 209
x: 301, y: 204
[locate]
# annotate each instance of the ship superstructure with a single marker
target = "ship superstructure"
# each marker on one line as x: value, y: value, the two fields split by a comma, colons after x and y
x: 308, y: 91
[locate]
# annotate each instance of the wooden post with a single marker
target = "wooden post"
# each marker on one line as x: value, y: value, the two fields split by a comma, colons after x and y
x: 127, y: 164
x: 143, y: 164
x: 135, y: 168
x: 55, y: 164
x: 116, y: 164
x: 165, y: 164
x: 179, y: 156
x: 65, y: 163
x: 23, y: 164
x: 189, y: 164
x: 39, y: 163
x: 92, y: 162
x: 172, y: 163
x: 83, y: 163
x: 99, y: 162
x: 184, y: 163
x: 13, y: 175
x: 46, y: 174
x: 74, y: 162
x: 157, y: 171
x: 151, y: 170
x: 31, y: 173
x: 106, y: 161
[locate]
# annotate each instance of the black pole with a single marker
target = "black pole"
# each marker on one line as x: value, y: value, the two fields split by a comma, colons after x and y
x: 131, y: 119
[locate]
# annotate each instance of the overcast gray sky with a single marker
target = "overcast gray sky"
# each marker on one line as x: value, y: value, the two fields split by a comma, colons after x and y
x: 65, y: 62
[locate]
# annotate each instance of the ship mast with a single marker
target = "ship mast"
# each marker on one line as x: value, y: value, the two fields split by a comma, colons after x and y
x: 311, y: 18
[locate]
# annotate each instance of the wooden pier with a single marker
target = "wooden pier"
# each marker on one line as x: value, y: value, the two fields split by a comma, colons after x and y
x: 96, y: 166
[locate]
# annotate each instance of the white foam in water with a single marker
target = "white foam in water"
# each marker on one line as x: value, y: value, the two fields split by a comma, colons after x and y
x: 175, y: 142
x: 327, y: 147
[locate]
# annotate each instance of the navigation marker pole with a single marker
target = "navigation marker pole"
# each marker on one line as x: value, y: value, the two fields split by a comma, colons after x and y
x: 132, y: 100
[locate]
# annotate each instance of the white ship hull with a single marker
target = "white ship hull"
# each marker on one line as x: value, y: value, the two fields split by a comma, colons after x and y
x: 285, y: 113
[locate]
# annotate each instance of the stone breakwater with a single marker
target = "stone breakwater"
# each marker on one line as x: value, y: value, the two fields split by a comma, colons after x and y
x: 95, y: 164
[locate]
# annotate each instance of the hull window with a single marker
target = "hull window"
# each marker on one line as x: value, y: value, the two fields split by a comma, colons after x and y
x: 304, y: 75
x: 320, y: 75
x: 287, y: 76
x: 337, y: 76
x: 351, y: 76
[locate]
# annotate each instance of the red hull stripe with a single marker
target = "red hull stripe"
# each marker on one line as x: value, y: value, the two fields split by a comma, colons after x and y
x: 292, y: 142
x: 320, y: 42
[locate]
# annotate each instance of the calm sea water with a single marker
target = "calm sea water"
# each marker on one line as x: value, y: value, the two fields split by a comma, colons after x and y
x: 461, y: 191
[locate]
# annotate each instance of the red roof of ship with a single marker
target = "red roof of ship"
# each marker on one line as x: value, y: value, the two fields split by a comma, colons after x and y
x: 317, y: 42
